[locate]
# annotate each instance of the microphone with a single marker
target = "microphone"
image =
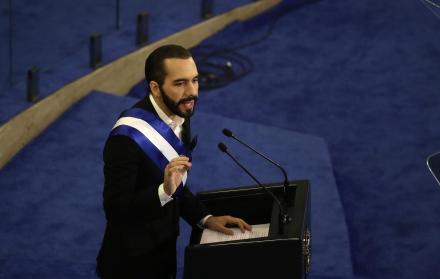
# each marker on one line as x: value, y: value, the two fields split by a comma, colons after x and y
x: 228, y: 133
x: 283, y: 216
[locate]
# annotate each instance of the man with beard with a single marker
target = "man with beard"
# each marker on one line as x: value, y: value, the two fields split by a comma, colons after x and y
x: 146, y: 159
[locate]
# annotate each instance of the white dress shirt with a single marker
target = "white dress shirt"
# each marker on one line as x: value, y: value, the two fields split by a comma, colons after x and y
x: 175, y: 125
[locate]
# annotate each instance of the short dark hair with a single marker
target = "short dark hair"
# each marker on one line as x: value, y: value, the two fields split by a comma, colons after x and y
x: 154, y: 65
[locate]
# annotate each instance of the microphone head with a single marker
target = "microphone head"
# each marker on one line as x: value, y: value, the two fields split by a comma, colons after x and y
x: 227, y: 133
x: 222, y: 147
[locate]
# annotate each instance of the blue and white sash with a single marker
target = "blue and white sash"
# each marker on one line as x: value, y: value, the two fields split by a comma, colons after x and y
x: 152, y: 135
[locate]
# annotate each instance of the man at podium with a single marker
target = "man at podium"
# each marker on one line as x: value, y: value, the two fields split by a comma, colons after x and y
x: 146, y: 161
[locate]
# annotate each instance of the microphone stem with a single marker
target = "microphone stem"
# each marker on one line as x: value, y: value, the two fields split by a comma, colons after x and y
x: 284, y: 217
x: 286, y: 180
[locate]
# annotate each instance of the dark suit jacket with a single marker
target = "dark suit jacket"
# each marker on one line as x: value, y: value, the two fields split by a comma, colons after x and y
x: 139, y: 230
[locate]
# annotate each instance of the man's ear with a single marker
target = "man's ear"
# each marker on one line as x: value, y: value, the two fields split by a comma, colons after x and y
x: 154, y: 88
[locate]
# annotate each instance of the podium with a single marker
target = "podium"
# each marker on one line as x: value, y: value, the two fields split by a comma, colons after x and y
x: 284, y: 253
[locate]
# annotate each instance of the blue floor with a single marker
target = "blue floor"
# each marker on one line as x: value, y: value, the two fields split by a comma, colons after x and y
x: 56, y: 220
x: 55, y: 37
x: 361, y: 76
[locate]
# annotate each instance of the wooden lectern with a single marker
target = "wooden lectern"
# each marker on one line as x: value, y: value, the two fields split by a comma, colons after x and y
x: 280, y: 255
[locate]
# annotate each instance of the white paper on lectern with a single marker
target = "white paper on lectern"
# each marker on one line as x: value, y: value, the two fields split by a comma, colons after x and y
x: 210, y: 236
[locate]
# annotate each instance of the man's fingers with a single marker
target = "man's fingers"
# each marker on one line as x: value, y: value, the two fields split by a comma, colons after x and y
x: 245, y: 225
x: 226, y: 230
x: 221, y: 224
x: 184, y: 165
x: 179, y: 166
x: 241, y: 226
x: 239, y: 223
x: 180, y: 159
x: 176, y: 163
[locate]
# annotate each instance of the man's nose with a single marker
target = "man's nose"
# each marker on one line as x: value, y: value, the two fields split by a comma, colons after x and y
x: 192, y: 89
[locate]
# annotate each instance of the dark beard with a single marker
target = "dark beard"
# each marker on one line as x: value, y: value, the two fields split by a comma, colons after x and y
x: 174, y: 106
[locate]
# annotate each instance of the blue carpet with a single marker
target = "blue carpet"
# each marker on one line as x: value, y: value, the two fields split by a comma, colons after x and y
x: 54, y: 213
x: 303, y: 156
x: 53, y: 220
x: 55, y: 36
x: 361, y: 75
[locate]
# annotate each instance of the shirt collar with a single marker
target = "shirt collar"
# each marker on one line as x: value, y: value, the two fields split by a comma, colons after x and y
x: 177, y: 121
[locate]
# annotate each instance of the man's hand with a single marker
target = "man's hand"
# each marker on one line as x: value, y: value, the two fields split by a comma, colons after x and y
x: 219, y: 223
x: 174, y: 172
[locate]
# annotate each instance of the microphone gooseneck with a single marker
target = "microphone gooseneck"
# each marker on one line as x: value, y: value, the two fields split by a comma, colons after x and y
x: 229, y: 134
x: 284, y: 217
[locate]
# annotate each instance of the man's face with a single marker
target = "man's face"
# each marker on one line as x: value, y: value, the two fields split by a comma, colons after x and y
x: 180, y: 88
